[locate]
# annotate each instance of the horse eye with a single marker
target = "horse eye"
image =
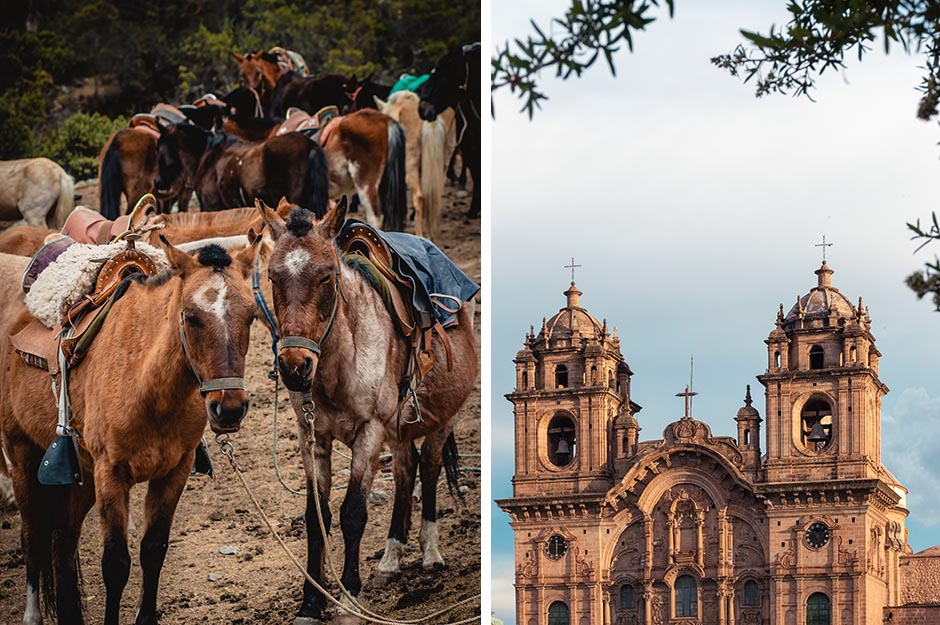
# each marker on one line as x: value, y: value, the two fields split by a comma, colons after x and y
x: 324, y: 279
x: 196, y: 322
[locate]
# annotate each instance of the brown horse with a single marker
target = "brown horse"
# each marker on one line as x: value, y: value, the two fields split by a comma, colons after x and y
x: 35, y: 190
x: 140, y: 426
x: 128, y: 166
x: 352, y: 377
x: 427, y: 143
x: 227, y: 172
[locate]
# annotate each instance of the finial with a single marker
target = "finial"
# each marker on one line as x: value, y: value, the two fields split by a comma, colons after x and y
x: 604, y: 328
x: 799, y: 305
x: 747, y: 398
x: 780, y: 315
x: 616, y: 337
x: 823, y: 245
x: 572, y: 267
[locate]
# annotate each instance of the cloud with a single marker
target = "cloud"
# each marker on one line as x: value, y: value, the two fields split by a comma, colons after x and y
x: 910, y: 445
x: 503, y: 591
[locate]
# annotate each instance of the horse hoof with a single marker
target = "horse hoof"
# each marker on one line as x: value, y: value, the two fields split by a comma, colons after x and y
x: 381, y: 579
x: 433, y: 566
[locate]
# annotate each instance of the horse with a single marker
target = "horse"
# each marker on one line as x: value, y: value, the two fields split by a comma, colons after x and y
x: 341, y: 351
x: 141, y: 426
x: 455, y: 83
x: 36, y: 191
x: 308, y: 93
x: 427, y: 142
x: 362, y: 93
x: 128, y: 165
x: 227, y: 172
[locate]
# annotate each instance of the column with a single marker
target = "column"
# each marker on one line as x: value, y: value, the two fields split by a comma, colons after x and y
x: 699, y: 524
x: 670, y: 537
x: 647, y: 602
x: 730, y: 604
x: 607, y: 616
x: 721, y: 604
x: 648, y: 532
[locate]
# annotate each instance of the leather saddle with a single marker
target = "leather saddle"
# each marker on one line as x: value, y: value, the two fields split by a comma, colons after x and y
x: 403, y: 298
x: 38, y: 345
x: 317, y: 127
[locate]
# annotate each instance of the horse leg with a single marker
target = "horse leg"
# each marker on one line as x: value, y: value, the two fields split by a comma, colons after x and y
x: 67, y: 577
x: 160, y: 506
x: 319, y: 458
x: 404, y: 466
x: 432, y: 458
x: 111, y: 492
x: 36, y: 529
x: 354, y: 512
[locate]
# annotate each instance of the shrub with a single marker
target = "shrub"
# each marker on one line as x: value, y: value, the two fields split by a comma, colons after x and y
x: 78, y: 141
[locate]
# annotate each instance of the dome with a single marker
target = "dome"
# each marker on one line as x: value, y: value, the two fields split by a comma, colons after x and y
x: 747, y: 411
x: 573, y: 320
x: 823, y: 301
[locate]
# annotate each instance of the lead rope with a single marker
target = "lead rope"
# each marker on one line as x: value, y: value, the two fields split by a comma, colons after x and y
x: 228, y: 450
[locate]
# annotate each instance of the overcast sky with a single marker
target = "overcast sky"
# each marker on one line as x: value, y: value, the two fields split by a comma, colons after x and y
x: 694, y: 209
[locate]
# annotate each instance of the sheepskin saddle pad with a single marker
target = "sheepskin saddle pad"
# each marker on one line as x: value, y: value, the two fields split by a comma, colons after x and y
x: 73, y: 275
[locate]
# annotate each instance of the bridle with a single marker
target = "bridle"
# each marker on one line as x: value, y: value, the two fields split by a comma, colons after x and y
x: 354, y: 95
x: 309, y: 344
x: 215, y: 384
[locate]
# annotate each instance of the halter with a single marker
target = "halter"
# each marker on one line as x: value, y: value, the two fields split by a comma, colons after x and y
x: 305, y: 343
x: 215, y: 384
x: 352, y: 95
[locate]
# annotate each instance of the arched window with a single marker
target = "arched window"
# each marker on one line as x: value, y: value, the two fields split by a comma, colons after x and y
x: 751, y: 593
x: 561, y: 376
x: 777, y: 359
x: 593, y: 375
x: 816, y: 424
x: 561, y: 440
x: 818, y: 609
x: 525, y: 379
x: 558, y: 614
x: 627, y: 597
x: 686, y: 596
x: 853, y: 354
x: 747, y: 437
x: 816, y: 357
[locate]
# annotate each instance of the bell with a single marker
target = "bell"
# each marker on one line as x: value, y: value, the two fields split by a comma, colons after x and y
x: 817, y: 434
x: 563, y: 447
x: 60, y: 465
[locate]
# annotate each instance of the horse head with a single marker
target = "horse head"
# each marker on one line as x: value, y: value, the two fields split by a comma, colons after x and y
x: 453, y: 78
x: 304, y: 270
x: 216, y: 309
x: 250, y: 72
x: 179, y: 149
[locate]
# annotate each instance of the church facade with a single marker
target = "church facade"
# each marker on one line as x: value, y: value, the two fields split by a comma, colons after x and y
x: 691, y: 528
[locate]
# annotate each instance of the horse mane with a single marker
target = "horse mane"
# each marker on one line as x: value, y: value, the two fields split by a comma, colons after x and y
x: 210, y: 219
x: 299, y: 223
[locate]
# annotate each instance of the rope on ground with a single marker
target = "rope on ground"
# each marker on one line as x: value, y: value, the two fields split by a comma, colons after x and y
x: 228, y: 450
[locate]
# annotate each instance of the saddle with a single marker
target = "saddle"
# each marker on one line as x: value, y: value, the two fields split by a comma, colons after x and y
x: 391, y: 263
x: 145, y: 122
x: 317, y: 127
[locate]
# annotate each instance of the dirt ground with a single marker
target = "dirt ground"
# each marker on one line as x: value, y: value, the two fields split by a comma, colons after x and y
x: 257, y: 583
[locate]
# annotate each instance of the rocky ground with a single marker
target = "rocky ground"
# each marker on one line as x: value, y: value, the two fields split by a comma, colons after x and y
x: 224, y: 566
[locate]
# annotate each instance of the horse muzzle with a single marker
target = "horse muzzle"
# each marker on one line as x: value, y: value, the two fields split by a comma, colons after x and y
x: 427, y: 111
x: 226, y: 410
x: 296, y: 366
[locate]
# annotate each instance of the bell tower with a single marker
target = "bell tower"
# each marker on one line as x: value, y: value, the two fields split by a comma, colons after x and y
x: 829, y: 497
x: 573, y: 415
x: 822, y: 388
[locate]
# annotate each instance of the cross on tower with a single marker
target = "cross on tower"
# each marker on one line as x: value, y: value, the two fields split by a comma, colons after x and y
x: 572, y: 268
x: 688, y: 394
x: 823, y: 245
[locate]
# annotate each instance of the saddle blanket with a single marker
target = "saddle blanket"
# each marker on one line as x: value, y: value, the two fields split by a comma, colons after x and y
x: 439, y: 283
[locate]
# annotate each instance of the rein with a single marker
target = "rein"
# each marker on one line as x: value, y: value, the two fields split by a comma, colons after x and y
x: 214, y: 384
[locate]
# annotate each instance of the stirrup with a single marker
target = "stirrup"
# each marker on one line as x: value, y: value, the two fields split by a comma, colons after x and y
x: 60, y: 465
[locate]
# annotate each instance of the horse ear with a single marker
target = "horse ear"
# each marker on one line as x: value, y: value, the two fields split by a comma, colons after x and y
x: 334, y: 220
x: 245, y: 259
x: 271, y: 219
x: 379, y: 103
x: 238, y: 57
x: 284, y: 207
x: 181, y: 263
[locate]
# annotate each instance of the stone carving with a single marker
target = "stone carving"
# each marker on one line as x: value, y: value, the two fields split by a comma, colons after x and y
x: 847, y: 558
x: 786, y: 559
x: 750, y: 616
x: 658, y: 610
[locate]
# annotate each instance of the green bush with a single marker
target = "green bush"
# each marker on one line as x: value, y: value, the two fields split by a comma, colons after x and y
x: 78, y: 141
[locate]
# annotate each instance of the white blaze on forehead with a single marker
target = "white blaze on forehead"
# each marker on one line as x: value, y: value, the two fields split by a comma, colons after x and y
x: 295, y: 261
x: 210, y: 297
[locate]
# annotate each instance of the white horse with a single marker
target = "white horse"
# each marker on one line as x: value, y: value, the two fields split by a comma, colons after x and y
x: 425, y: 146
x: 36, y: 191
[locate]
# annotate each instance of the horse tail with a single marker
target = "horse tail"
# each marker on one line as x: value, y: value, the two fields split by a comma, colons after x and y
x: 452, y: 465
x: 316, y: 191
x: 433, y: 139
x: 392, y: 186
x: 56, y: 219
x: 110, y: 180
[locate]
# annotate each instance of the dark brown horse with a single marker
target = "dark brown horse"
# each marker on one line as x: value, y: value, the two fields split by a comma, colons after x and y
x: 352, y: 376
x: 140, y: 426
x: 227, y: 172
x: 128, y: 166
x: 455, y: 83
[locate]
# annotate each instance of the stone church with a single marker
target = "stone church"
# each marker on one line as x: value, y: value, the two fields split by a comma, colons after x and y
x: 800, y: 524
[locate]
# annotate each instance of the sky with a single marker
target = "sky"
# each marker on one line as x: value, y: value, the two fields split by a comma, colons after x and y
x: 695, y: 208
